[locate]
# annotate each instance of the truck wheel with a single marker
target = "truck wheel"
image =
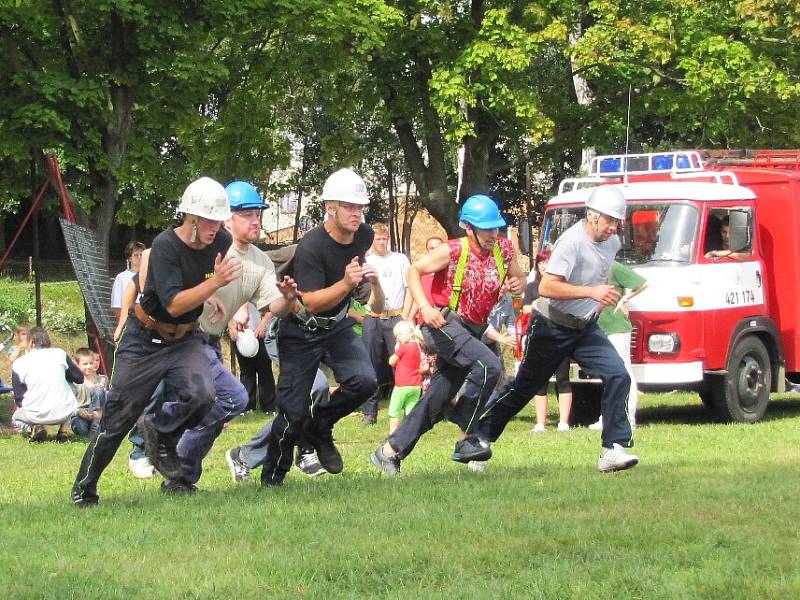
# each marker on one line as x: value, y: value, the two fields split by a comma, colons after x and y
x: 742, y: 394
x: 585, y: 403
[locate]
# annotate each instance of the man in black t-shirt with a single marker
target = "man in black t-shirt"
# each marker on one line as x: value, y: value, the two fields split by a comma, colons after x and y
x: 161, y: 341
x: 328, y: 265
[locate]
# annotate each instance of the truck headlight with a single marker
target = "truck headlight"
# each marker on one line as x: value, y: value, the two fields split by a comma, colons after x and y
x: 663, y: 343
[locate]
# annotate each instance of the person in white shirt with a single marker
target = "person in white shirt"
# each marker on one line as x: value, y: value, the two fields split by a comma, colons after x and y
x: 377, y: 327
x: 41, y: 381
x: 133, y: 259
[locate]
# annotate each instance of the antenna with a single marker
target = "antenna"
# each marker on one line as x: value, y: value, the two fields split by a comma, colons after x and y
x: 627, y: 133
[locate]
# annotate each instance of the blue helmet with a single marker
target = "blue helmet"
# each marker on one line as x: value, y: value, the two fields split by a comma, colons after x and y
x: 243, y: 196
x: 480, y: 211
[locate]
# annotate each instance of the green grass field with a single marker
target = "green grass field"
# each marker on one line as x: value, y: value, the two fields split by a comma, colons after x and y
x: 711, y: 512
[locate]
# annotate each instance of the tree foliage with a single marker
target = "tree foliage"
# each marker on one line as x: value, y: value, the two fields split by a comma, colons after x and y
x: 137, y: 98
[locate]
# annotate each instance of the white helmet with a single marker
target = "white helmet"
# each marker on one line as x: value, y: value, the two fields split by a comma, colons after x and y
x: 247, y: 343
x: 345, y: 185
x: 206, y: 198
x: 608, y: 200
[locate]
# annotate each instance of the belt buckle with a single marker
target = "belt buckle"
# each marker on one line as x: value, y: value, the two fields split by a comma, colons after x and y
x: 311, y: 324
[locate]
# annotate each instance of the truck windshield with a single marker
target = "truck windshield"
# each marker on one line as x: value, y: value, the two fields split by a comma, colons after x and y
x: 654, y: 233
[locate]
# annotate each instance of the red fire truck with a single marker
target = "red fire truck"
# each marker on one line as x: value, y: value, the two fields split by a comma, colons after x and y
x: 720, y: 247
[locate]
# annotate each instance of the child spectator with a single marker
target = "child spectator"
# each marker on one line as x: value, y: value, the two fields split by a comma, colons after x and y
x: 97, y: 378
x: 133, y: 260
x: 407, y: 376
x: 90, y: 395
x: 19, y: 342
x: 41, y: 387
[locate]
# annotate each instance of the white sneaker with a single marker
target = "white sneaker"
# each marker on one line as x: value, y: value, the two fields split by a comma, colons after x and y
x: 616, y: 459
x: 477, y: 466
x: 563, y: 426
x: 597, y: 426
x: 538, y: 428
x: 141, y: 468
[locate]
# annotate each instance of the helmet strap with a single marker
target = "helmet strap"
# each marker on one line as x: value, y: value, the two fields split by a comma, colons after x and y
x: 475, y: 238
x: 193, y: 237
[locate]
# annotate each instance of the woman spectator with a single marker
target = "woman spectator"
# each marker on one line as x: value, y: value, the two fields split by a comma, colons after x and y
x: 563, y: 386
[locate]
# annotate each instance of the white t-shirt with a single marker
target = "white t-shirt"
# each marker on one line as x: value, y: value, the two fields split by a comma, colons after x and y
x: 49, y: 398
x: 581, y: 261
x: 392, y: 270
x: 118, y: 290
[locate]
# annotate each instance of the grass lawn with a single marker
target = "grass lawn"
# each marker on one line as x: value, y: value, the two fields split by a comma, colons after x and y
x: 711, y: 512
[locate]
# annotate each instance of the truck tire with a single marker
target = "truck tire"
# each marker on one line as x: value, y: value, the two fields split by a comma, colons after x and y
x: 743, y: 393
x: 585, y: 403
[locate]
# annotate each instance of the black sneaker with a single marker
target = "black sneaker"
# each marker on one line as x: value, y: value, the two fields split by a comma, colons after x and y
x: 369, y: 420
x: 272, y: 480
x: 62, y: 437
x: 82, y: 500
x: 327, y: 453
x: 388, y: 464
x: 472, y: 448
x: 160, y: 449
x: 38, y: 434
x: 308, y: 464
x: 174, y: 487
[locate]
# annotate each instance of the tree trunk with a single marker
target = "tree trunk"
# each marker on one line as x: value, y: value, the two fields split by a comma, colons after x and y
x: 477, y: 149
x: 296, y: 232
x: 583, y: 94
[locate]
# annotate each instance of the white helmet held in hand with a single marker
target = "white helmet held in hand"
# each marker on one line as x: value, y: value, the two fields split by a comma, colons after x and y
x: 206, y: 198
x: 345, y: 185
x: 247, y: 343
x: 607, y: 199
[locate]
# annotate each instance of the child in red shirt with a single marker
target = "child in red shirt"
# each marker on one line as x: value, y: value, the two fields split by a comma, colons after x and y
x: 407, y: 378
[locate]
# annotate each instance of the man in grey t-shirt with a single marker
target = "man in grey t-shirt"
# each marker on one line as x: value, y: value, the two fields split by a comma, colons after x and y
x: 573, y: 291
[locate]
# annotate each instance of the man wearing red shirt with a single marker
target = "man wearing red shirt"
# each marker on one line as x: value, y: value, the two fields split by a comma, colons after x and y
x: 453, y: 327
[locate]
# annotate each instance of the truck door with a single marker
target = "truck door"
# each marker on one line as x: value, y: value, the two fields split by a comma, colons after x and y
x: 732, y: 281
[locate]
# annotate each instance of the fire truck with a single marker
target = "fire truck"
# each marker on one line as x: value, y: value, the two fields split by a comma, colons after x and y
x: 720, y: 248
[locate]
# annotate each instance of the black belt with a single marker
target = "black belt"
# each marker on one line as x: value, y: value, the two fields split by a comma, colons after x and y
x: 563, y: 319
x: 476, y: 329
x: 314, y: 322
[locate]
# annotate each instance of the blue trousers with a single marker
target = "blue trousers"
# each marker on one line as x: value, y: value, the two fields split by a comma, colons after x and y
x: 548, y: 345
x: 134, y: 437
x: 231, y: 399
x: 301, y: 352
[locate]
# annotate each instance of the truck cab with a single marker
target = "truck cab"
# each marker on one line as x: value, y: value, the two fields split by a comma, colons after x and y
x: 705, y: 238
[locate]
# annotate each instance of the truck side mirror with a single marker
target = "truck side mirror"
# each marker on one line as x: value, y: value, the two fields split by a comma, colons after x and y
x: 524, y: 234
x: 740, y: 230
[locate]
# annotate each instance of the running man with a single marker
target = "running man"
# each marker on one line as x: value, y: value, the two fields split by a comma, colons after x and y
x: 161, y: 340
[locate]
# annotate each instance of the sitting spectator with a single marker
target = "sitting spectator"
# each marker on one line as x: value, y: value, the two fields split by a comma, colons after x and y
x: 19, y: 342
x: 90, y: 395
x: 97, y: 377
x: 41, y: 387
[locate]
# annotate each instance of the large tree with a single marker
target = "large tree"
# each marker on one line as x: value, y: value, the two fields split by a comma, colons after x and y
x: 83, y: 80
